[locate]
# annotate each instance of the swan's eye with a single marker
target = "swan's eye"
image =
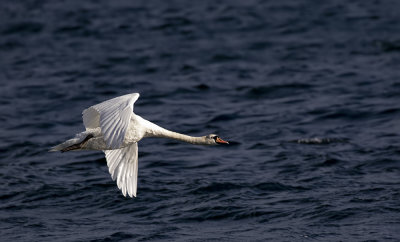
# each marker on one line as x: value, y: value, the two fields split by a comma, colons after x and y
x: 215, y: 137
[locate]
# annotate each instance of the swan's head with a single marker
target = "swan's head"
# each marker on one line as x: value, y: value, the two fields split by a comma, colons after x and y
x: 213, y: 139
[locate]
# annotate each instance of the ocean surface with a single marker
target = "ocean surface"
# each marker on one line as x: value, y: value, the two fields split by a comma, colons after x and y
x: 307, y: 92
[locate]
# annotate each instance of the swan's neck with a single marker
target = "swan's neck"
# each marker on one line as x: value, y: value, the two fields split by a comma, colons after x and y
x: 164, y: 133
x: 153, y: 130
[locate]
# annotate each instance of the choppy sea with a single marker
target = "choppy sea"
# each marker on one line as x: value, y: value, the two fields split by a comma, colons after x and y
x: 308, y: 93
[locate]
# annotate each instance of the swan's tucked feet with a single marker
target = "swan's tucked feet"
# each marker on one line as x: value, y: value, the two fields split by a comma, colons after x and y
x: 79, y: 145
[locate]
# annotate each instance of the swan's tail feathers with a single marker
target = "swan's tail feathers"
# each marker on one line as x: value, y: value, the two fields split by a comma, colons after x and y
x: 65, y: 145
x: 57, y: 148
x: 71, y: 144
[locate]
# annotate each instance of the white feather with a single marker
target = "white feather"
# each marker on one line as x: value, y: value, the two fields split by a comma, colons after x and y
x: 123, y: 167
x: 113, y: 117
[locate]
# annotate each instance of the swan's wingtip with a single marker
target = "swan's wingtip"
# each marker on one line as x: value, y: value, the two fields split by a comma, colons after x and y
x: 129, y: 195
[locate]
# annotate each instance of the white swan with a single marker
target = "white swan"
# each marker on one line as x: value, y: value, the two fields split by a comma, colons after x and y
x: 111, y: 126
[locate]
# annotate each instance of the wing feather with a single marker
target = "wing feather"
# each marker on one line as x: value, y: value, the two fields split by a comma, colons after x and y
x: 123, y: 167
x: 112, y: 162
x: 91, y: 118
x: 113, y: 117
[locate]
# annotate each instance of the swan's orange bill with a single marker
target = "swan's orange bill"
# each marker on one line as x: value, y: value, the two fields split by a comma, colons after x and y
x: 220, y: 141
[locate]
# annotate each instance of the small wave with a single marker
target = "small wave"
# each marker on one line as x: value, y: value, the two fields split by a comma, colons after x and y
x: 319, y: 141
x: 329, y: 162
x: 24, y: 28
x: 217, y: 187
x: 224, y: 117
x: 277, y: 187
x: 276, y: 91
x: 225, y: 57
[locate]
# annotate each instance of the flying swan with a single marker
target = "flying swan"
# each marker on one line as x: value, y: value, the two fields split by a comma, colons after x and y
x: 111, y: 126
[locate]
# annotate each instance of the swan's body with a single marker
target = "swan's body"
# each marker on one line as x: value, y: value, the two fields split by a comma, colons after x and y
x: 112, y: 127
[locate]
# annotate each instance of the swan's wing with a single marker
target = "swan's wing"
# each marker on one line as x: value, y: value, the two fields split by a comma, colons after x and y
x: 123, y: 167
x: 112, y: 116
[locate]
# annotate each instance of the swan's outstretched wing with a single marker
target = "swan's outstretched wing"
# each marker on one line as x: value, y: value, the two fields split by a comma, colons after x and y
x: 112, y: 116
x: 123, y: 167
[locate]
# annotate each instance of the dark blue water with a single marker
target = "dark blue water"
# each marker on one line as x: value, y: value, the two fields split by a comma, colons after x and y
x: 307, y: 91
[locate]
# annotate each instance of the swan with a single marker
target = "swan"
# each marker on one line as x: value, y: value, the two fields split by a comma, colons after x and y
x: 113, y: 127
